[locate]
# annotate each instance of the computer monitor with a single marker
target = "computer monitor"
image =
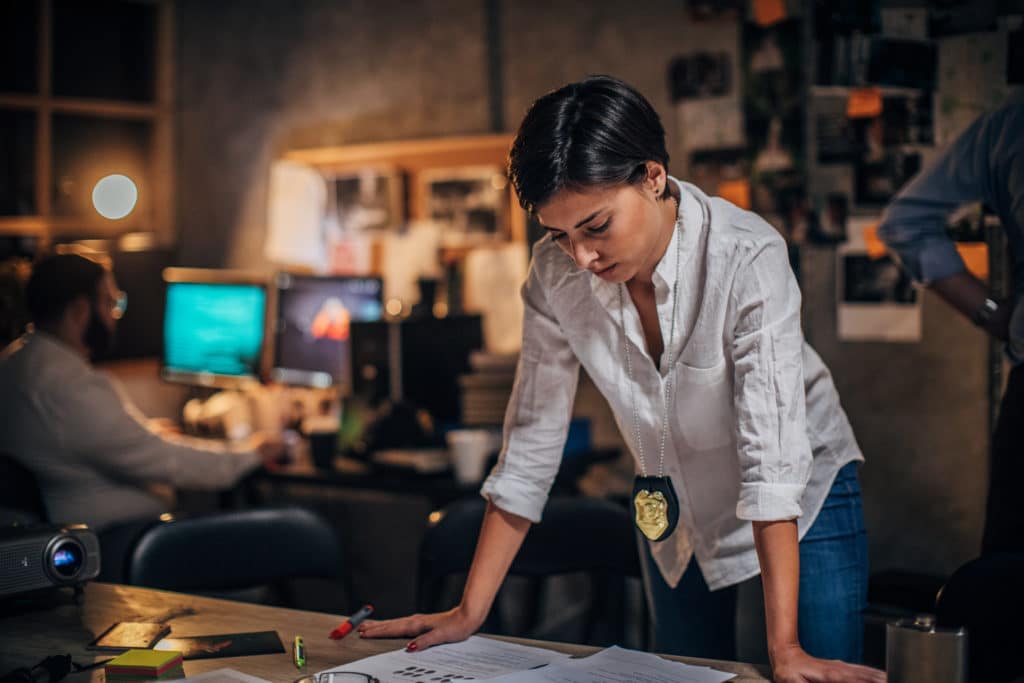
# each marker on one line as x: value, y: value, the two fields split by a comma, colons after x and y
x: 435, y: 352
x: 314, y: 327
x: 214, y: 327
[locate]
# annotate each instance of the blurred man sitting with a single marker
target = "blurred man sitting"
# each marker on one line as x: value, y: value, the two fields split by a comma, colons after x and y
x: 95, y: 460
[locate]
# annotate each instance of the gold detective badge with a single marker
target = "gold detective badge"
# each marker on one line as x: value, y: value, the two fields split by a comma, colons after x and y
x: 651, y: 513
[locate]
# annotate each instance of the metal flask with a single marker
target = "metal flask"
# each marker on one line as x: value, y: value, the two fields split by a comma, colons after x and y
x: 918, y: 652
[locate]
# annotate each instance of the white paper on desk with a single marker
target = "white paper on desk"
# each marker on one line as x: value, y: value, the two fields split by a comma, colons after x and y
x: 477, y: 657
x: 221, y: 676
x: 618, y: 665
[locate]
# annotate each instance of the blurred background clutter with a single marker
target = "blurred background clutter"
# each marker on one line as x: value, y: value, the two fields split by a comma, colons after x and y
x: 306, y: 204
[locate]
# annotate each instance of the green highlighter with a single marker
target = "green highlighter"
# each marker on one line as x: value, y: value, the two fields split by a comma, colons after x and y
x: 299, y: 652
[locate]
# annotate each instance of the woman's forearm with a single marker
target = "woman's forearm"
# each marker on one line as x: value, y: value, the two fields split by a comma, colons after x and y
x: 501, y: 535
x: 779, y: 554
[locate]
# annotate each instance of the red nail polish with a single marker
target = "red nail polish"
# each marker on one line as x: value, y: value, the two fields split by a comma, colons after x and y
x: 410, y: 647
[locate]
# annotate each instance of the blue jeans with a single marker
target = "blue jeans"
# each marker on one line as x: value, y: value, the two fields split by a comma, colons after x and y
x: 692, y: 620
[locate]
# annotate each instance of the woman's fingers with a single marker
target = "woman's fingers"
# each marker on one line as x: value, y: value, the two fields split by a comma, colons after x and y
x: 450, y: 629
x: 406, y: 627
x: 855, y: 673
x: 426, y: 630
x: 796, y: 666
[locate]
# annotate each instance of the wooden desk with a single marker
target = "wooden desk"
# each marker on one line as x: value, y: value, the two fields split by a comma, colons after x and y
x: 65, y: 628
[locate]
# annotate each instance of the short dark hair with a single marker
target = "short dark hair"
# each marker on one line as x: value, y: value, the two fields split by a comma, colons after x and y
x: 598, y: 131
x: 58, y: 280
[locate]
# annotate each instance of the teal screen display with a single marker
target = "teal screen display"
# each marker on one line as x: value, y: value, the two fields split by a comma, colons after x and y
x: 214, y: 328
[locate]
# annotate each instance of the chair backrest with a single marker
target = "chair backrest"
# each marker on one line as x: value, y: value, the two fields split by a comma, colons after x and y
x: 575, y: 534
x: 235, y: 550
x: 21, y: 500
x: 986, y: 596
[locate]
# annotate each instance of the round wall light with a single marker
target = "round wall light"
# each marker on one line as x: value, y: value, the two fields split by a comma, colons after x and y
x: 115, y: 196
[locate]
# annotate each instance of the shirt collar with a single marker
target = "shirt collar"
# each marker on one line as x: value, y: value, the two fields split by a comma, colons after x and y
x: 54, y: 346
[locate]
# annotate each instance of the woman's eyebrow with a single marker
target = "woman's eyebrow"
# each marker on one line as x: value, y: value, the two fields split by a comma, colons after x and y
x: 582, y: 222
x: 589, y: 218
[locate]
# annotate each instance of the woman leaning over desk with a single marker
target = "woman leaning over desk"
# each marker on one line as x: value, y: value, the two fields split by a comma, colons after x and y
x: 684, y: 311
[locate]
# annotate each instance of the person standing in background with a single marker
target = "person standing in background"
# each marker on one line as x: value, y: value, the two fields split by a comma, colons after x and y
x: 984, y: 164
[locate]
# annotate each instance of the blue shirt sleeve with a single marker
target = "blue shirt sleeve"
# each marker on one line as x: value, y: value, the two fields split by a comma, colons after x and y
x: 972, y: 169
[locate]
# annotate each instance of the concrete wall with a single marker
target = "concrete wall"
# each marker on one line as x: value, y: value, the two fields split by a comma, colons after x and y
x: 920, y: 415
x: 262, y: 76
x: 256, y: 77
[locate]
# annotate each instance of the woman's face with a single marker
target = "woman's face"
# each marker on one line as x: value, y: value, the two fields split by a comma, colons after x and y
x: 613, y: 231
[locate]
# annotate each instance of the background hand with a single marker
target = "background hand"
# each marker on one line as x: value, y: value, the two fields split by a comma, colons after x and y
x: 272, y: 451
x: 425, y: 629
x: 796, y: 666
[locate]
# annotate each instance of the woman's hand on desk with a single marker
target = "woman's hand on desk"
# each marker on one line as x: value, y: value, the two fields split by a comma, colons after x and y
x: 793, y: 665
x: 426, y: 630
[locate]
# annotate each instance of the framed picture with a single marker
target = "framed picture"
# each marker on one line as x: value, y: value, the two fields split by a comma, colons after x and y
x: 469, y: 203
x: 369, y: 199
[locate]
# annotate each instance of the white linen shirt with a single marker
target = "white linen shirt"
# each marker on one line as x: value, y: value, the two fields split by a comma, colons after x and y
x: 756, y: 430
x: 85, y: 442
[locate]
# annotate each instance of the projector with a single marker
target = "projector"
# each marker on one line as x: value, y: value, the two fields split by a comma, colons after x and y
x: 44, y: 556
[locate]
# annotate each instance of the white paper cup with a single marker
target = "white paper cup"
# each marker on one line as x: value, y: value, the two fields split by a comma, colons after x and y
x: 469, y: 449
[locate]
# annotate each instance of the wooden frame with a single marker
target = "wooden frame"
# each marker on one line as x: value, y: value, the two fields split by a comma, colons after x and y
x: 467, y: 188
x: 413, y: 157
x: 45, y: 105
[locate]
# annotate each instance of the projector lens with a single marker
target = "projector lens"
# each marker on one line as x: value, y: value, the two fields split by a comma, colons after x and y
x: 67, y: 558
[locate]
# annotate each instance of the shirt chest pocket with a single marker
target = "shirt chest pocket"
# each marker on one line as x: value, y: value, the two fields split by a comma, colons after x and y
x: 704, y: 405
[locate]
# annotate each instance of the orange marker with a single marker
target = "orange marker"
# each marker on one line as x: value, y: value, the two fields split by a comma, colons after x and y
x: 351, y: 622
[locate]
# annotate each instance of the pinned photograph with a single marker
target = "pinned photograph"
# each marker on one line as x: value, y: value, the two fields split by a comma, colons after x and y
x: 890, y: 147
x: 470, y: 204
x: 367, y: 199
x: 877, y: 300
x: 702, y: 74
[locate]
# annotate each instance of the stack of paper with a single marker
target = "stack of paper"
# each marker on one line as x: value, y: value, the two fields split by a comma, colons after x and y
x: 475, y: 658
x: 618, y: 665
x: 486, y: 391
x: 145, y: 665
x: 499, y: 661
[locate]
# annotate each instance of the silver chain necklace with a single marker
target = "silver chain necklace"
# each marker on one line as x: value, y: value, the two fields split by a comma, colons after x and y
x: 666, y: 350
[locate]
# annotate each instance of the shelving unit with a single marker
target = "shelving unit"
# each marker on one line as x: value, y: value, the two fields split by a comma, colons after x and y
x: 94, y: 83
x: 413, y: 157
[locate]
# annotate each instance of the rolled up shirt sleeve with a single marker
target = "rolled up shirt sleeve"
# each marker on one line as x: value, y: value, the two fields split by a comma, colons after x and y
x: 538, y: 413
x: 914, y: 224
x: 767, y: 352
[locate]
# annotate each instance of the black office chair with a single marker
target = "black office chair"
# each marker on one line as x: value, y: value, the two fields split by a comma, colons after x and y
x: 576, y: 534
x: 21, y: 500
x: 986, y: 596
x: 239, y: 554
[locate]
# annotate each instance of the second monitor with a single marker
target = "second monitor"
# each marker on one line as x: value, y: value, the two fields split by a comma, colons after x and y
x: 313, y: 327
